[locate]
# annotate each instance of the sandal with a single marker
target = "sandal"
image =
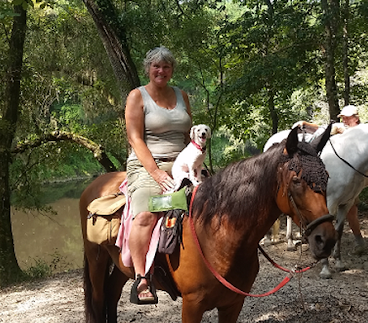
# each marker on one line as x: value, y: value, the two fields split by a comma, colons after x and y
x: 134, y: 294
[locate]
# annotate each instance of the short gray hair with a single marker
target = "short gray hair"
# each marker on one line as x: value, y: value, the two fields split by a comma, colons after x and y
x: 159, y: 54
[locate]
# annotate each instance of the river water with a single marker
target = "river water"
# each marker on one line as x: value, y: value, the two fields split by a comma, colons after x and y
x: 55, y: 240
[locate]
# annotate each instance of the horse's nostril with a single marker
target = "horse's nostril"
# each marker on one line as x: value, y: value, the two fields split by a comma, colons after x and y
x: 319, y: 241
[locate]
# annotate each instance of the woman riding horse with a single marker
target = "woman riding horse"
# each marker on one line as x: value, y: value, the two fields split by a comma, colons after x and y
x: 231, y: 212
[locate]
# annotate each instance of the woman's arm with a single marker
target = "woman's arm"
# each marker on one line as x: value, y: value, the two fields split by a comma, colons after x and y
x: 189, y: 111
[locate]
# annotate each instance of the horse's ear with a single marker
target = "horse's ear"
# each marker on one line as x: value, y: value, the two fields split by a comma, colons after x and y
x: 292, y: 142
x: 321, y: 141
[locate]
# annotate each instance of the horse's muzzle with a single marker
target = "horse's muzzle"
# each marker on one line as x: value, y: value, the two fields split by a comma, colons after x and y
x: 321, y: 236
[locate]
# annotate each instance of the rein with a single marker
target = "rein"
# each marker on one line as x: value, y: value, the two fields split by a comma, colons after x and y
x: 221, y: 279
x: 346, y: 162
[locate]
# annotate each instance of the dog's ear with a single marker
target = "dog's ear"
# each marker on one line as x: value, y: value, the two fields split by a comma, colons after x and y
x: 192, y: 132
x: 209, y: 134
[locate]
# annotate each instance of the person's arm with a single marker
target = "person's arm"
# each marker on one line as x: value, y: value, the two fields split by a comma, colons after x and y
x: 134, y: 117
x: 186, y: 100
x: 303, y: 123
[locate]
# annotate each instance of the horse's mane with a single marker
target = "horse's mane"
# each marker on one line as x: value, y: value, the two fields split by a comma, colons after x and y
x: 248, y: 188
x: 243, y: 188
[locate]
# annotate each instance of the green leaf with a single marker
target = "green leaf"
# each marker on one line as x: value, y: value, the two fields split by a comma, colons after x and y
x: 18, y: 2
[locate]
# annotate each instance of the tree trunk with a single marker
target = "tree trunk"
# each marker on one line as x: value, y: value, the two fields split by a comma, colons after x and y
x: 330, y: 10
x: 9, y: 268
x: 272, y: 110
x: 114, y: 40
x: 345, y: 52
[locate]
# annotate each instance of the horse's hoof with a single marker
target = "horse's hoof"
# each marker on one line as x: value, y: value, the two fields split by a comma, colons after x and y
x: 292, y: 245
x: 265, y: 242
x: 335, y: 254
x: 325, y: 274
x: 339, y: 266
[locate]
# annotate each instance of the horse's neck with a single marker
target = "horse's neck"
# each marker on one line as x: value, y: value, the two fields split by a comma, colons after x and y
x: 232, y: 240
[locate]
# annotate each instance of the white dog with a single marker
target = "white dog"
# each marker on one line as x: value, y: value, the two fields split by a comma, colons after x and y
x: 189, y: 162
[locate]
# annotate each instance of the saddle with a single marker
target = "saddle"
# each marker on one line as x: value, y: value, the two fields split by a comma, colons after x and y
x: 104, y: 219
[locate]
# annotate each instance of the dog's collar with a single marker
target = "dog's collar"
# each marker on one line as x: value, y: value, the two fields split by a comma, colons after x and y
x: 202, y: 149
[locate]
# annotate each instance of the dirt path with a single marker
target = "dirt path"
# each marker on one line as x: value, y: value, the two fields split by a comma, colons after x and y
x: 306, y: 298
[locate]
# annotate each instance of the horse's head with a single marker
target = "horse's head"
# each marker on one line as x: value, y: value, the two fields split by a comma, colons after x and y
x: 302, y: 183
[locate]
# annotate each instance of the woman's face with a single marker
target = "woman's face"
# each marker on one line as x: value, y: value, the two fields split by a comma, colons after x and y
x: 160, y: 72
x: 350, y: 121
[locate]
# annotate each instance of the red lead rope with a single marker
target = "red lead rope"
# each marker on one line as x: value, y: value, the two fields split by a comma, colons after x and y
x: 221, y: 279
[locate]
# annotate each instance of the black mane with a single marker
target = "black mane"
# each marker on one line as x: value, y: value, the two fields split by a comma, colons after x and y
x: 247, y: 188
x: 241, y: 189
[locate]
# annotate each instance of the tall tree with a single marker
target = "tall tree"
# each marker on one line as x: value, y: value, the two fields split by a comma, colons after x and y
x: 331, y: 22
x: 9, y: 268
x: 345, y: 50
x: 114, y: 38
x: 272, y: 41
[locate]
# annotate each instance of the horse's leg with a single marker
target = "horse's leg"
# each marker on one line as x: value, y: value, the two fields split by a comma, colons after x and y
x: 231, y: 313
x: 115, y: 284
x: 96, y: 270
x: 353, y: 220
x: 276, y: 231
x: 267, y: 239
x: 272, y: 236
x: 325, y: 272
x: 291, y: 246
x: 191, y: 311
x: 339, y: 227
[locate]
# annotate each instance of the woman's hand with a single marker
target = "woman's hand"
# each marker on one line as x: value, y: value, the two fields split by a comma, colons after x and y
x: 163, y: 179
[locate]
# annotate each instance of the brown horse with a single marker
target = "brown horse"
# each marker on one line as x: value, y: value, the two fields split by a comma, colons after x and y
x: 231, y: 212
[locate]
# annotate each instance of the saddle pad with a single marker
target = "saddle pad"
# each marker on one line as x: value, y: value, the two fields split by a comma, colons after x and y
x: 166, y: 202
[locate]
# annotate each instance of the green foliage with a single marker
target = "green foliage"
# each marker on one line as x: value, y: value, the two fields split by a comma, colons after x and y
x: 227, y: 149
x: 245, y: 66
x: 40, y: 269
x: 363, y: 198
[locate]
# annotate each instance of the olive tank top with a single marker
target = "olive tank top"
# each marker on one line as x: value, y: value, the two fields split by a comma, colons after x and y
x: 164, y: 129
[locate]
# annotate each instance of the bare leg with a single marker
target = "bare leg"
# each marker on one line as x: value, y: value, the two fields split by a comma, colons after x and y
x: 139, y: 240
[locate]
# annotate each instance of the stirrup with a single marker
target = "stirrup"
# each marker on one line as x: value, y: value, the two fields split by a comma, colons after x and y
x: 134, y: 293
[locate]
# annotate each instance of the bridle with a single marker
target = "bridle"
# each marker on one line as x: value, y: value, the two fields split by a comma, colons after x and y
x: 307, y: 229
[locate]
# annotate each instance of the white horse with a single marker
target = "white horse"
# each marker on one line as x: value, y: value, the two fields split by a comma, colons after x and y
x: 346, y: 160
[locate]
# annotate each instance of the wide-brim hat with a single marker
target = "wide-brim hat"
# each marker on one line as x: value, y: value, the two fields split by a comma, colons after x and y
x: 348, y: 111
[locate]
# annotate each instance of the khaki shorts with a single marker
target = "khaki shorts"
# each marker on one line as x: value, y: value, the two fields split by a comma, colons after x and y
x: 141, y: 185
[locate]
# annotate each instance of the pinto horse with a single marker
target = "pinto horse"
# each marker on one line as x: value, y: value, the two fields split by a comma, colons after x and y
x: 230, y: 213
x: 346, y: 159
